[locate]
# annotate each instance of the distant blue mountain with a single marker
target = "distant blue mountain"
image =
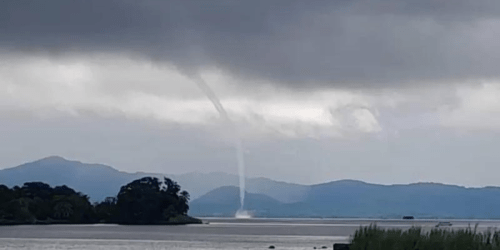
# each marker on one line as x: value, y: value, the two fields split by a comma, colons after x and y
x: 352, y: 199
x: 96, y: 180
x: 216, y: 194
x: 423, y: 200
x: 225, y: 201
x: 101, y: 181
x: 199, y: 184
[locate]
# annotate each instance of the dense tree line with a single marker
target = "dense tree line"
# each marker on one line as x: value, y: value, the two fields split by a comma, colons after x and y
x: 144, y: 201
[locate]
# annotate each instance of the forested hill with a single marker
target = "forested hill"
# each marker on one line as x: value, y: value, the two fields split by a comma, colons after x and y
x: 144, y: 201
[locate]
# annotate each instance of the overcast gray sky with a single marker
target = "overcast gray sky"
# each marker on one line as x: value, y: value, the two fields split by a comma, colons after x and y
x: 381, y: 91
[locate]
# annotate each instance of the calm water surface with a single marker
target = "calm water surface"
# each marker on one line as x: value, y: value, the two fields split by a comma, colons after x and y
x: 218, y: 234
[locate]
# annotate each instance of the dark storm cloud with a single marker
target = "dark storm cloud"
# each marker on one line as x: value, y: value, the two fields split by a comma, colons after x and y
x: 337, y: 43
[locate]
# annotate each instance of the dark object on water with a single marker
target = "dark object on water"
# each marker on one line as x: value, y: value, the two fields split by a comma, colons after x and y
x: 341, y: 246
x: 324, y: 247
x: 408, y: 217
x: 271, y: 247
x: 444, y: 223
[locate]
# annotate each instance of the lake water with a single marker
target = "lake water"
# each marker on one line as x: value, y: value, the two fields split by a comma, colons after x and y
x: 218, y: 234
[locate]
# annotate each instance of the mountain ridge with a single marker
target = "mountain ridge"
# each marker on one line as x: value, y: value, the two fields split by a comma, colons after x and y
x: 339, y: 198
x: 380, y: 202
x: 56, y: 170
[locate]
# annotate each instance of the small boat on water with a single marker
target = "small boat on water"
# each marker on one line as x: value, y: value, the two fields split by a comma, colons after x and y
x: 444, y: 224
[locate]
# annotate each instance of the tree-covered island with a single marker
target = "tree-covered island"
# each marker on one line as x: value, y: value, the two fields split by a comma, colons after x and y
x: 146, y: 201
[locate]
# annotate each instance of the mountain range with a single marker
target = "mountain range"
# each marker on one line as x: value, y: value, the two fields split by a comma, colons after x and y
x: 100, y: 181
x: 217, y: 194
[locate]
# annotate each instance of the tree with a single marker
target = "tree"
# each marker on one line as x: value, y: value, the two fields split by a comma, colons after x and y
x: 63, y: 210
x: 145, y: 201
x: 37, y: 201
x: 6, y: 195
x: 185, y: 195
x: 139, y: 202
x: 106, y: 211
x: 172, y: 187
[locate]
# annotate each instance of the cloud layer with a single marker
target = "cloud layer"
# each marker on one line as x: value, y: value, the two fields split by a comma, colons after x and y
x: 346, y: 44
x: 383, y: 91
x: 116, y: 86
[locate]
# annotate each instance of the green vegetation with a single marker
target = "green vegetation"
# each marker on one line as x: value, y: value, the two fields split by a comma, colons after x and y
x: 143, y: 201
x: 374, y: 238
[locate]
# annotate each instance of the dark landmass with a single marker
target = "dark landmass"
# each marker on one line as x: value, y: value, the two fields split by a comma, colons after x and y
x: 355, y: 199
x: 146, y: 201
x: 100, y: 181
x: 225, y: 201
x: 268, y: 198
x: 95, y: 180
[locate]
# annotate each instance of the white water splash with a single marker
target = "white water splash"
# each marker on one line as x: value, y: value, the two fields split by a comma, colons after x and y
x: 242, y: 214
x: 238, y: 144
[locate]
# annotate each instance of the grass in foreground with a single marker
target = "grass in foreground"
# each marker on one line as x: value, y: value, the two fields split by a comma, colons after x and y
x: 374, y: 238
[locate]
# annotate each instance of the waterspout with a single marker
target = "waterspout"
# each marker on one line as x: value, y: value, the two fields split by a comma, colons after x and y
x: 238, y: 144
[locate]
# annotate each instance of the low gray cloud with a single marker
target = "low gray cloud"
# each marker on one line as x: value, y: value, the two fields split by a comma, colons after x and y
x: 413, y: 156
x: 339, y: 44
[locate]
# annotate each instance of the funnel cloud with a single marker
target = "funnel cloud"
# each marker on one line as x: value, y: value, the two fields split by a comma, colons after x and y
x: 238, y: 144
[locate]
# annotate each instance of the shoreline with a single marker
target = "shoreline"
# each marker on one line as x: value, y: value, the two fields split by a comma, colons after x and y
x: 184, y: 221
x: 348, y: 219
